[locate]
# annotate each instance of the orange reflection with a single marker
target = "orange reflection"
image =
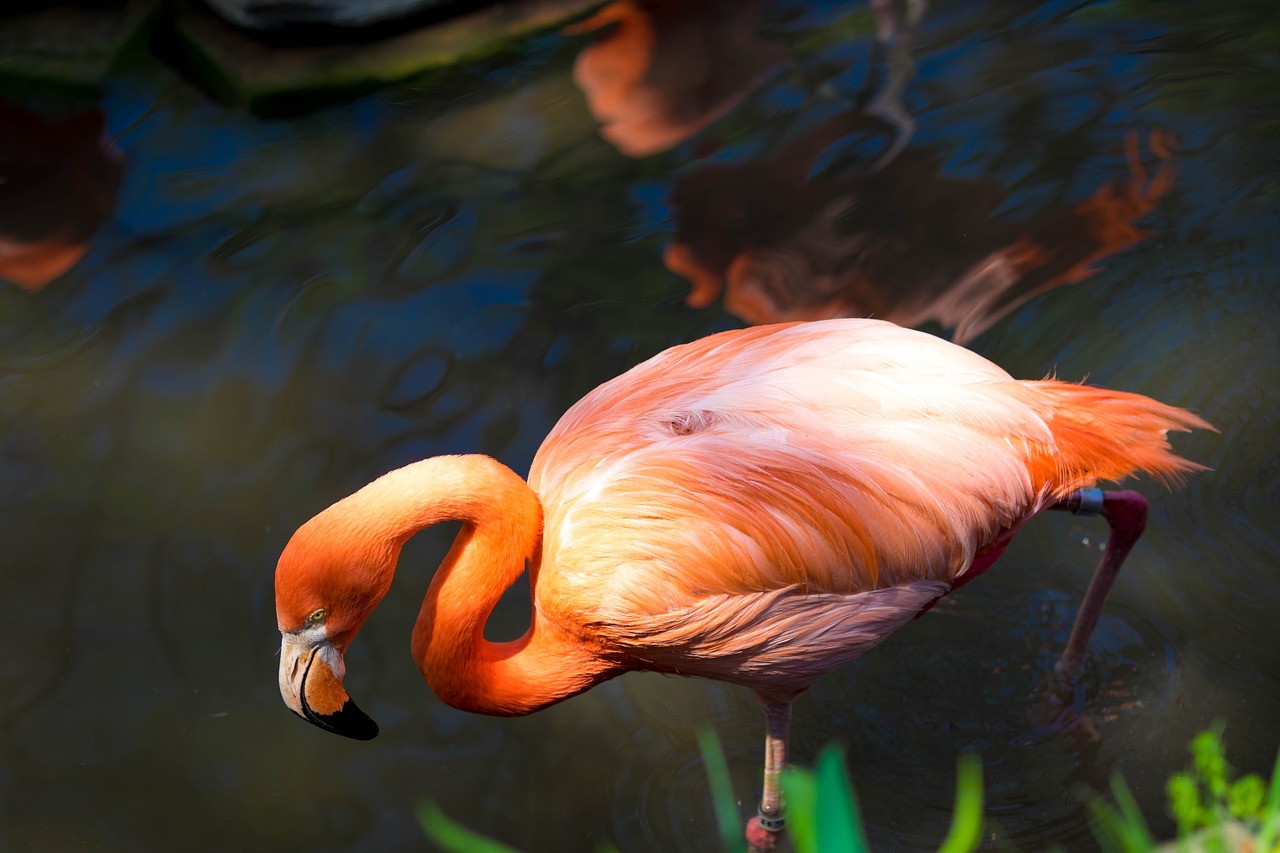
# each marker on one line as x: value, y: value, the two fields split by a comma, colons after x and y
x: 902, y: 243
x: 662, y: 70
x: 58, y: 184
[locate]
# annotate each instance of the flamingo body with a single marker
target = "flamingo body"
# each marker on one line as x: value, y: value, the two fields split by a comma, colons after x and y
x: 758, y: 507
x: 763, y: 505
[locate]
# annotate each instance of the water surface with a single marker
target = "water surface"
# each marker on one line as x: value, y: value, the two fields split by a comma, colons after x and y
x: 269, y: 312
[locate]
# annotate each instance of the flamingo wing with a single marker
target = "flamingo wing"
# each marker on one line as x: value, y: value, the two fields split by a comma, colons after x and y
x: 836, y: 458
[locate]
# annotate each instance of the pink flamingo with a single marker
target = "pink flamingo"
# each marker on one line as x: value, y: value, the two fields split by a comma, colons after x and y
x: 758, y: 507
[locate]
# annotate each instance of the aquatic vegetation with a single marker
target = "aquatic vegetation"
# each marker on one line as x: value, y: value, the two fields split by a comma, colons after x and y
x: 1214, y: 812
x: 822, y: 809
x: 450, y: 835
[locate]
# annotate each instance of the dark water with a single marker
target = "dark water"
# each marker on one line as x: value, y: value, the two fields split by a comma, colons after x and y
x: 271, y: 312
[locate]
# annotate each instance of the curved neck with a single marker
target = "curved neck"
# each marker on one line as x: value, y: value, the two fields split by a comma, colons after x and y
x: 502, y: 528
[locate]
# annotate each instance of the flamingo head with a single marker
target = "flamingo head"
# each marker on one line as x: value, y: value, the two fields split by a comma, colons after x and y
x: 324, y: 592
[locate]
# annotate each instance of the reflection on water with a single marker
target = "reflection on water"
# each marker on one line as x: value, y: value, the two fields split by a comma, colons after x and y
x: 664, y: 70
x: 899, y: 241
x: 270, y: 313
x: 58, y: 182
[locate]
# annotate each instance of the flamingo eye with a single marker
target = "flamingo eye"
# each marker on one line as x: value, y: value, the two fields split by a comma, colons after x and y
x: 316, y: 616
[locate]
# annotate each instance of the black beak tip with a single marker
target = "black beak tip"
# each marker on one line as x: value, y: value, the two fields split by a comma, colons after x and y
x: 349, y: 721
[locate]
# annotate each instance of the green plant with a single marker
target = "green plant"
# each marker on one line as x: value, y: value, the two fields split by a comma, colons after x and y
x: 453, y: 837
x: 1213, y: 812
x: 822, y: 810
x: 731, y: 837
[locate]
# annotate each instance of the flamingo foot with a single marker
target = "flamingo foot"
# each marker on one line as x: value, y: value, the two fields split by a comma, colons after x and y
x: 1060, y: 711
x: 760, y: 839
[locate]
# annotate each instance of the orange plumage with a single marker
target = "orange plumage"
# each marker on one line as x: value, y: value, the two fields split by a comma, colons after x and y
x: 758, y: 507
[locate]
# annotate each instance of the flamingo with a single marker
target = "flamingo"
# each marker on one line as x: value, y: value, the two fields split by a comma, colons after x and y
x: 758, y: 506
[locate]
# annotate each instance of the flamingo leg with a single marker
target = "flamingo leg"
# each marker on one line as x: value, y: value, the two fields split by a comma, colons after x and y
x: 765, y: 828
x: 1126, y: 514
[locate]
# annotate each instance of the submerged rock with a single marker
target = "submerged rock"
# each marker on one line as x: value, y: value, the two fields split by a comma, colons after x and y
x: 281, y: 14
x: 68, y: 48
x: 278, y: 78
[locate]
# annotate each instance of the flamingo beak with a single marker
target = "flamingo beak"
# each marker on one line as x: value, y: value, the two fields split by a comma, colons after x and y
x: 311, y: 671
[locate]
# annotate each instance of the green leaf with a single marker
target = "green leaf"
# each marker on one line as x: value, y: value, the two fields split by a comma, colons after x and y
x: 966, y: 823
x: 800, y: 793
x: 1105, y: 821
x: 838, y: 825
x: 1137, y: 835
x: 1121, y: 829
x: 726, y: 805
x: 1245, y: 798
x: 1269, y: 835
x: 1211, y: 764
x: 453, y: 837
x: 1184, y: 802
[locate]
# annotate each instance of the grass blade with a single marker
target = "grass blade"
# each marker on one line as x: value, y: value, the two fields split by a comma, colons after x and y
x: 1107, y: 825
x: 838, y: 825
x: 454, y: 837
x: 1122, y: 828
x: 800, y: 793
x: 966, y: 824
x: 1269, y: 834
x: 732, y: 839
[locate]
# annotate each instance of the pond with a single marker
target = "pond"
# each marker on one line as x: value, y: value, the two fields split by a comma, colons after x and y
x: 233, y: 313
